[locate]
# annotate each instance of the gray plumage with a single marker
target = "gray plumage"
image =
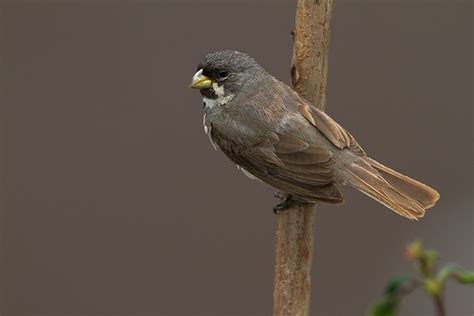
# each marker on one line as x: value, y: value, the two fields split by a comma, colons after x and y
x: 280, y: 138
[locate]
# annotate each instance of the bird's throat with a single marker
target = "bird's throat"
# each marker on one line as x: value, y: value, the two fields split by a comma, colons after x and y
x: 215, y: 96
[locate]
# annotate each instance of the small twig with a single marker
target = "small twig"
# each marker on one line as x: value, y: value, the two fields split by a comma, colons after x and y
x: 439, y: 303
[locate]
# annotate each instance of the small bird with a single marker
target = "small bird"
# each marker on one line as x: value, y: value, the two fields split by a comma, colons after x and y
x: 275, y: 135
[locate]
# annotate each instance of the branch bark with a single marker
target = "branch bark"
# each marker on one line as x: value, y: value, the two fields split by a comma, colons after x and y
x: 296, y: 225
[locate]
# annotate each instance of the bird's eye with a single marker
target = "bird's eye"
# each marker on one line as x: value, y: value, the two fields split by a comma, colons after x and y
x: 222, y: 73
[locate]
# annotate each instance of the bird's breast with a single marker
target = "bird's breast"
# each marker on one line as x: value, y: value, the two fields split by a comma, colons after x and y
x: 208, y: 129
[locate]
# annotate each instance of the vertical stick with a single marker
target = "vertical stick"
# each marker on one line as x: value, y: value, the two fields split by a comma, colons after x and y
x: 295, y: 226
x: 309, y: 67
x: 439, y: 303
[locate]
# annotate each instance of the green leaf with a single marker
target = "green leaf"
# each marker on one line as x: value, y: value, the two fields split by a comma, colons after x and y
x: 455, y: 271
x: 396, y: 285
x: 464, y: 277
x: 384, y: 308
x: 446, y: 272
x: 431, y: 257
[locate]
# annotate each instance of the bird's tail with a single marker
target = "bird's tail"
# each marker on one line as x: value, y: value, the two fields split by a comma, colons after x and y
x: 398, y: 192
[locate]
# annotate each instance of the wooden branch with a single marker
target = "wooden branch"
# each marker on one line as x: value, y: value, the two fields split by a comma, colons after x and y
x: 293, y: 259
x: 309, y: 65
x: 296, y: 225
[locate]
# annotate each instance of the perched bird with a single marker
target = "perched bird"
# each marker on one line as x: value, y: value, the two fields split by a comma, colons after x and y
x: 275, y: 135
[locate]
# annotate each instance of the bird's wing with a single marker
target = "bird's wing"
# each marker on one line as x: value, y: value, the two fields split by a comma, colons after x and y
x: 303, y: 168
x: 293, y: 166
x: 329, y: 128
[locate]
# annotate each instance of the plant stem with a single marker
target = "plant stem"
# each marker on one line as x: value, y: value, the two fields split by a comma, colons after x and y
x: 439, y: 303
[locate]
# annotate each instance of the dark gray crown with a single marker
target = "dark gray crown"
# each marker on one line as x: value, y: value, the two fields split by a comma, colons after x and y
x: 230, y: 60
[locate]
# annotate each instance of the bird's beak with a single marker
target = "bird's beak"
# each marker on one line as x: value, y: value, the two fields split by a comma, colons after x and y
x: 200, y: 81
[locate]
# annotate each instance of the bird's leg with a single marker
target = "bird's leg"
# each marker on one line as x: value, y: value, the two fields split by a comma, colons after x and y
x: 286, y: 200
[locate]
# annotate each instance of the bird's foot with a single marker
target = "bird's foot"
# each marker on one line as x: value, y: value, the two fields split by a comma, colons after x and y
x: 286, y: 201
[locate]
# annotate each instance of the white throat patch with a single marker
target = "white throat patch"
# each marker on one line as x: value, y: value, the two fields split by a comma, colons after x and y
x: 209, y: 104
x: 221, y: 99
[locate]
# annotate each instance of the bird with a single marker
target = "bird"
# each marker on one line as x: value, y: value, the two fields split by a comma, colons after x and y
x: 276, y: 136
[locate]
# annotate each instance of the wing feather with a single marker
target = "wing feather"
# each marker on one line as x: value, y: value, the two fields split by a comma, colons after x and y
x: 329, y: 128
x: 303, y: 169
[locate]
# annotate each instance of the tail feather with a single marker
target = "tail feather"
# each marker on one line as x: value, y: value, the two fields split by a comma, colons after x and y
x: 405, y: 196
x: 407, y: 186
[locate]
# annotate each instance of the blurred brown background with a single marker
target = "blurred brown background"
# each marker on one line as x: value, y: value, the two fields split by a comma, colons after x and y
x: 115, y: 203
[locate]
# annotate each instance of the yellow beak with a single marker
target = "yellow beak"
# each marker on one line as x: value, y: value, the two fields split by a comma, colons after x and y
x: 200, y: 81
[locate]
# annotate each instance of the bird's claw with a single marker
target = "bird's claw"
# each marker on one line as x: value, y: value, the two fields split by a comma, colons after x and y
x: 280, y: 195
x: 286, y: 200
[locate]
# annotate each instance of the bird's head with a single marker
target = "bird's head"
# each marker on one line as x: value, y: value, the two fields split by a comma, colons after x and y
x: 225, y: 73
